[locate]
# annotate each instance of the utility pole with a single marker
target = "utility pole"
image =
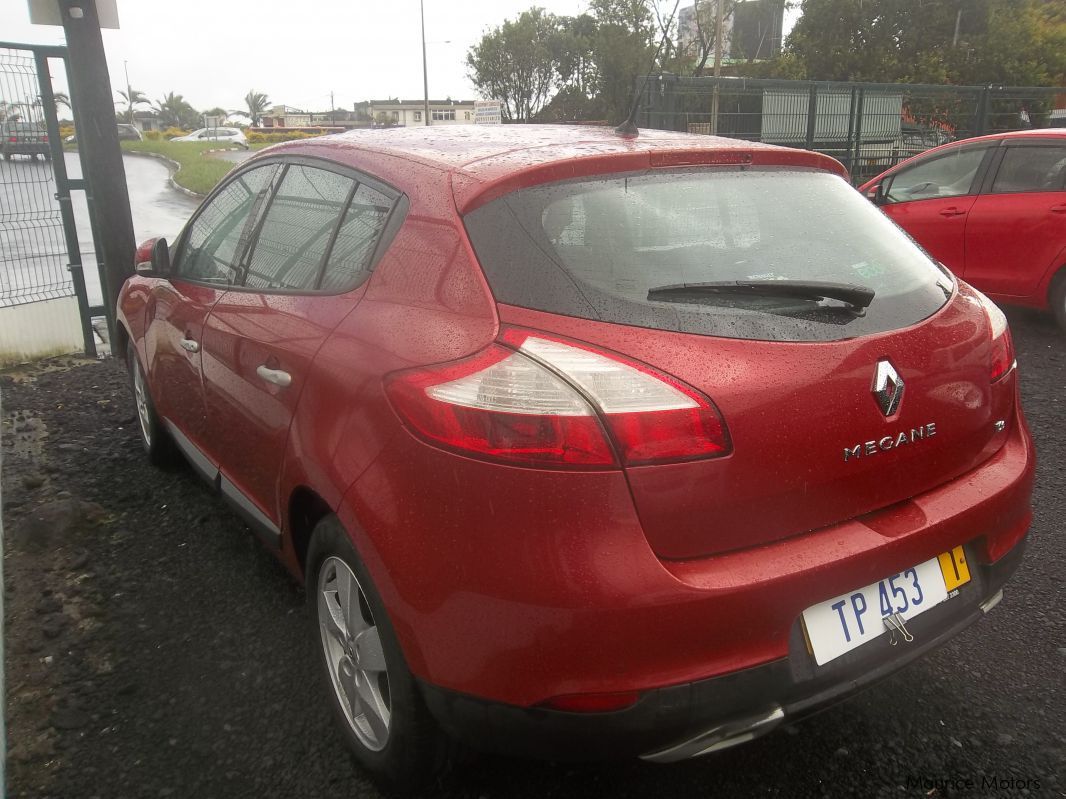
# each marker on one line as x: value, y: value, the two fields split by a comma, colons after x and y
x: 958, y: 20
x: 332, y: 113
x: 425, y: 73
x: 129, y: 91
x: 101, y: 156
x: 719, y: 21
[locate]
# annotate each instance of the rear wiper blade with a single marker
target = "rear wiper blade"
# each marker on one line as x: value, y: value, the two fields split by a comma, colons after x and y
x: 857, y: 297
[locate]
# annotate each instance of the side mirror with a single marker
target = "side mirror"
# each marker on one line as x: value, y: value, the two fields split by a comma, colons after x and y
x: 876, y: 194
x: 153, y: 258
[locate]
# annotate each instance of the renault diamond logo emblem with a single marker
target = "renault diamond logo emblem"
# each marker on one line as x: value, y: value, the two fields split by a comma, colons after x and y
x: 888, y: 388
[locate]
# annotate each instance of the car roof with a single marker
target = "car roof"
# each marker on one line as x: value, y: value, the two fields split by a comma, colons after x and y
x: 486, y: 161
x: 1029, y: 133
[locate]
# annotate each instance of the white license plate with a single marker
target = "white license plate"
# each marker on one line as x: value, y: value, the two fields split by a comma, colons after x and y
x: 845, y: 622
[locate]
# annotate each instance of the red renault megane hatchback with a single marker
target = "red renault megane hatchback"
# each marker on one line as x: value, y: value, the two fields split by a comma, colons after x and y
x: 585, y: 445
x: 993, y: 209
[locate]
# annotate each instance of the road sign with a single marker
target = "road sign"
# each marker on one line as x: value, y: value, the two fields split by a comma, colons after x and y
x: 488, y: 112
x: 46, y: 12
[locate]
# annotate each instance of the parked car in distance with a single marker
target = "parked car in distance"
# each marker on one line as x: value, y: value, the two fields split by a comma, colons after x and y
x: 584, y: 445
x: 992, y: 209
x: 126, y: 132
x: 129, y: 132
x: 24, y: 138
x: 229, y: 135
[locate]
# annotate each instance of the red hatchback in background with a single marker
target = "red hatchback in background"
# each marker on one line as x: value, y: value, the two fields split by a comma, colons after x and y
x: 585, y: 446
x: 992, y: 209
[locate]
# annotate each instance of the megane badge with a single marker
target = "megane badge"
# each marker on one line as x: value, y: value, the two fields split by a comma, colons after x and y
x: 888, y: 388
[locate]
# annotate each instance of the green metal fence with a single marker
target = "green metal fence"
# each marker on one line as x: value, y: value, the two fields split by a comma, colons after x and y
x: 866, y: 126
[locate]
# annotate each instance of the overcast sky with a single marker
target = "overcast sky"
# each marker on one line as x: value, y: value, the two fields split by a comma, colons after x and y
x: 214, y: 51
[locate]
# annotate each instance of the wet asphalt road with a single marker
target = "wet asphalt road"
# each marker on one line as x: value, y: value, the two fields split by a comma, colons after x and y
x: 27, y: 188
x: 196, y: 675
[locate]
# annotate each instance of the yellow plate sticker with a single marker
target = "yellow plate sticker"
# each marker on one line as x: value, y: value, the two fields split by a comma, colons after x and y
x: 954, y: 568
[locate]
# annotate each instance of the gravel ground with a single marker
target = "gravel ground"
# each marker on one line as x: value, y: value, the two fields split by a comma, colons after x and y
x: 155, y: 649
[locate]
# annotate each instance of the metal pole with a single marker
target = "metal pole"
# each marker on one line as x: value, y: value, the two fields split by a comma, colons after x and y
x: 425, y: 72
x: 101, y: 154
x: 719, y: 21
x: 955, y: 38
x: 129, y: 91
x: 812, y: 115
x: 856, y: 163
x: 66, y: 210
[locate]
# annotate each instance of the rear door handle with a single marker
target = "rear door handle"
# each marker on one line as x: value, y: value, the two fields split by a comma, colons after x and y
x: 274, y: 376
x: 953, y: 211
x: 1058, y: 209
x: 189, y: 345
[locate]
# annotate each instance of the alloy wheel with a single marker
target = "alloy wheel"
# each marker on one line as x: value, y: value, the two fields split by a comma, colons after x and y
x: 140, y: 394
x: 354, y: 656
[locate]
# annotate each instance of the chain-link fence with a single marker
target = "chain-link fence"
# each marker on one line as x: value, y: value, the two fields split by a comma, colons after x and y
x: 867, y: 126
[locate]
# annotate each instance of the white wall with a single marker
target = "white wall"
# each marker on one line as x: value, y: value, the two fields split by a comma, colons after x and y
x: 39, y: 329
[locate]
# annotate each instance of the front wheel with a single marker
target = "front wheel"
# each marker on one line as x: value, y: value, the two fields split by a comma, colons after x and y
x: 374, y: 698
x: 155, y: 440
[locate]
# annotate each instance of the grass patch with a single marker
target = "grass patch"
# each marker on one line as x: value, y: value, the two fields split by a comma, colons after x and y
x: 198, y: 172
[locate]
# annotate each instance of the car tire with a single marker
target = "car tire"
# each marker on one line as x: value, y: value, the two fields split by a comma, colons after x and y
x: 156, y: 441
x: 387, y: 727
x: 1057, y: 297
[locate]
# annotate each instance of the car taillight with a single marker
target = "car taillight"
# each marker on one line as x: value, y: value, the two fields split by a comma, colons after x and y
x: 44, y: 137
x: 503, y: 406
x: 1002, y: 358
x: 12, y: 139
x: 542, y: 404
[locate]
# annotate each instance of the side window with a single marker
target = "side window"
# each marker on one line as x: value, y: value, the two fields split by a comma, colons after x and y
x: 221, y: 231
x: 349, y: 260
x: 1031, y: 169
x: 297, y: 229
x: 946, y: 175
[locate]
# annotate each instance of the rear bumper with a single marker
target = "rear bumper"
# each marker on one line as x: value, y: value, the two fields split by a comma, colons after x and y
x: 515, y: 586
x: 680, y: 721
x: 25, y: 148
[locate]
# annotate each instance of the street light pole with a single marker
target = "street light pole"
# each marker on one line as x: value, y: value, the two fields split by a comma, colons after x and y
x: 719, y: 20
x: 129, y: 92
x: 425, y: 73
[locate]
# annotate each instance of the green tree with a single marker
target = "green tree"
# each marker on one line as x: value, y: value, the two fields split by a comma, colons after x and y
x: 256, y: 103
x: 1015, y: 42
x: 132, y: 98
x: 175, y: 111
x: 518, y: 64
x: 622, y: 48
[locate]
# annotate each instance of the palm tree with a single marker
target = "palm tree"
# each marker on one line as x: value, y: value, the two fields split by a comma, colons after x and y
x: 62, y: 99
x: 175, y: 112
x: 257, y: 103
x: 133, y: 97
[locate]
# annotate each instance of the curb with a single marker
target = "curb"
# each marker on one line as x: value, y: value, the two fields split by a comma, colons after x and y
x: 174, y: 167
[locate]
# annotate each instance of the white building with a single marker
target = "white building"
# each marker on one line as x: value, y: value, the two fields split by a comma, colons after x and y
x: 411, y: 113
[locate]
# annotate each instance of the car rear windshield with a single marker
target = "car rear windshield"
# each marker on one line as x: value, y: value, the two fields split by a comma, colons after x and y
x: 621, y: 247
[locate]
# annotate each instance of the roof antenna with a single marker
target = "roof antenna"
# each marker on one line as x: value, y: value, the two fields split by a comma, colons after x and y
x: 628, y: 129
